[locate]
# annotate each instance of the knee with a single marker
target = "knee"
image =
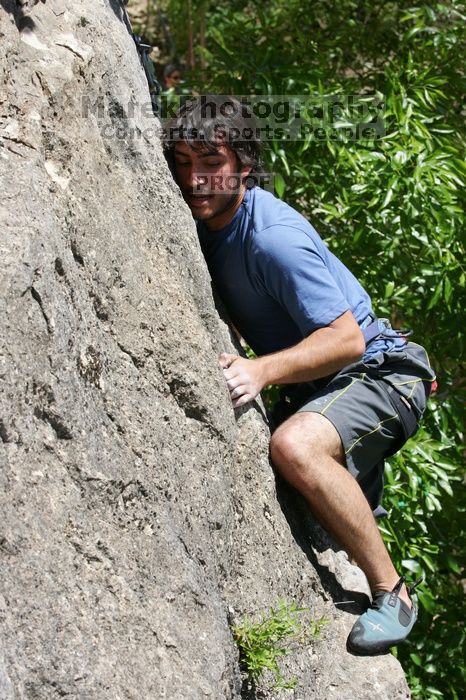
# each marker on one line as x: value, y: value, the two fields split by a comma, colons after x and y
x: 294, y: 456
x: 284, y: 446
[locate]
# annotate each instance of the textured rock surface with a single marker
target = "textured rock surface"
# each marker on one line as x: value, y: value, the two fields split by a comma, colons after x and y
x: 137, y: 512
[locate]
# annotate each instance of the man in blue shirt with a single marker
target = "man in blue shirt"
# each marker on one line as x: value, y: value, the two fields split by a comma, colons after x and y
x: 311, y: 323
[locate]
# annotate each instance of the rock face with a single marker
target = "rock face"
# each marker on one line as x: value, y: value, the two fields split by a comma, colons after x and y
x: 139, y: 515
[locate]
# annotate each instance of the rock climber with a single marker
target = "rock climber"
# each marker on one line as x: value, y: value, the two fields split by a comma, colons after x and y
x: 362, y: 385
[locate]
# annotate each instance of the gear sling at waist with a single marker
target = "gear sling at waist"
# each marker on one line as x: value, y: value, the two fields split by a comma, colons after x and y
x: 402, y: 406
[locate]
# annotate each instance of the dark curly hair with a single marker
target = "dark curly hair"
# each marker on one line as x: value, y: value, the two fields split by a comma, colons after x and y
x: 205, y: 121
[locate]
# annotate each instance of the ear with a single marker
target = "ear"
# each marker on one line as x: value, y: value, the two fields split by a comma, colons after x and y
x: 245, y: 170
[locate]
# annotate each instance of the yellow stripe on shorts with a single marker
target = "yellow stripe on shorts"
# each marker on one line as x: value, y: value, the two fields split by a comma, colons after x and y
x: 343, y: 391
x: 374, y: 430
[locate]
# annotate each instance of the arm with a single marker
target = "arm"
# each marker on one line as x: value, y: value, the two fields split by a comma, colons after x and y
x: 323, y: 352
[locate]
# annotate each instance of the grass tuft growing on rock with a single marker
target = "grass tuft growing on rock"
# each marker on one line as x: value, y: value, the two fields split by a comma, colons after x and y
x: 261, y: 644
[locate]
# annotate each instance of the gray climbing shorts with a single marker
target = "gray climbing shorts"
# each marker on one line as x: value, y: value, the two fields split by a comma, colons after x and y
x: 359, y: 402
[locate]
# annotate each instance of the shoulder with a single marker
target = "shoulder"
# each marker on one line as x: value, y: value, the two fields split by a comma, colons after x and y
x: 278, y: 229
x: 267, y: 210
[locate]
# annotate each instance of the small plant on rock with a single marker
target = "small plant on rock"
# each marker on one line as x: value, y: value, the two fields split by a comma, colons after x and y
x: 262, y: 643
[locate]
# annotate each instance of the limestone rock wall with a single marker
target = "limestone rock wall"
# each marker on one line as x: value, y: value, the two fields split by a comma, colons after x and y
x: 138, y: 514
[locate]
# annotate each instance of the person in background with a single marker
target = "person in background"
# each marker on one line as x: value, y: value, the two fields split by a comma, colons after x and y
x: 172, y: 78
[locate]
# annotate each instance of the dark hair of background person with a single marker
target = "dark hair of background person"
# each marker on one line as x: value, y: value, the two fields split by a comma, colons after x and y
x: 170, y: 69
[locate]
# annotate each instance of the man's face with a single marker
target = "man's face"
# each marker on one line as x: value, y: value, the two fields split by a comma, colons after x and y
x: 173, y: 79
x: 211, y: 182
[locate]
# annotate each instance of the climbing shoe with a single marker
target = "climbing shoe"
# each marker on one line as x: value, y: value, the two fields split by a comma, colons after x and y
x: 386, y: 623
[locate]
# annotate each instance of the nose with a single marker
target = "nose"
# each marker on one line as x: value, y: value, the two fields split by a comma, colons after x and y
x: 194, y: 179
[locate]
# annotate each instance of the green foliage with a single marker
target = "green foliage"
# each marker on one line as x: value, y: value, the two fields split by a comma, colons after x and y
x: 425, y: 533
x: 392, y: 209
x: 262, y: 644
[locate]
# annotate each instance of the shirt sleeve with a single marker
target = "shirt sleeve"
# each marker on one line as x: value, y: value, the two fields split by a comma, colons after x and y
x: 294, y: 271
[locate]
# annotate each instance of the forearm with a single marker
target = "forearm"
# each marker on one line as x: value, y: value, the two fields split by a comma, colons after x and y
x: 324, y: 352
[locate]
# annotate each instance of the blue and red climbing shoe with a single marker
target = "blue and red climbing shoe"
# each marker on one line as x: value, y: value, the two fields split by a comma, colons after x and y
x: 386, y: 623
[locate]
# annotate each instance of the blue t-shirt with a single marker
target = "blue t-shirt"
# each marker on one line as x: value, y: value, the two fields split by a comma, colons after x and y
x: 276, y: 277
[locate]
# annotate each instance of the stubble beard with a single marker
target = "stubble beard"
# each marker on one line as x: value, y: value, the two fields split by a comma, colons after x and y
x: 228, y: 204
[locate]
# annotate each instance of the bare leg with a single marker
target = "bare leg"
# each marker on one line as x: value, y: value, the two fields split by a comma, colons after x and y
x: 307, y: 451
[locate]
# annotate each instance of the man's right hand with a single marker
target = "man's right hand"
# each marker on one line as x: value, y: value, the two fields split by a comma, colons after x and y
x: 244, y: 378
